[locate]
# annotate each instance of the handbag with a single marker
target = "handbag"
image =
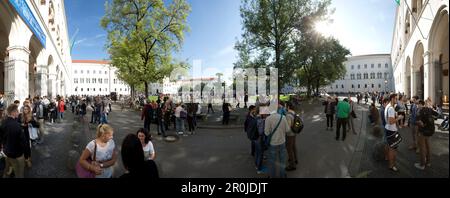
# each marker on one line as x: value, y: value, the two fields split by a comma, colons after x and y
x: 82, y: 172
x: 394, y: 139
x: 353, y: 114
x: 33, y: 131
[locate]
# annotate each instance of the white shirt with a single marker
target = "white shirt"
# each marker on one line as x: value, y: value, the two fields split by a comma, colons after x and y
x: 149, y: 150
x: 390, y: 113
x: 103, y: 154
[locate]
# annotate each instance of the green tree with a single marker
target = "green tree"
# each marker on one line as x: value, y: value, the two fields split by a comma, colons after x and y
x: 270, y: 29
x: 142, y: 34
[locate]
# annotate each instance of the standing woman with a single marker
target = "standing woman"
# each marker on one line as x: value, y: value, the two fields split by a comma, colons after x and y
x: 26, y: 118
x: 350, y: 117
x: 147, y: 145
x: 401, y: 111
x: 105, y: 153
x: 391, y: 128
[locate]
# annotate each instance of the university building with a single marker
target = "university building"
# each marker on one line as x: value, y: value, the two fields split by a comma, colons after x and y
x: 365, y: 73
x: 420, y: 49
x: 92, y: 77
x: 34, y: 49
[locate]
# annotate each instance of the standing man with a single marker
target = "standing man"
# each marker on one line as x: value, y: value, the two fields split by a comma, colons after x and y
x: 61, y: 108
x: 14, y: 143
x: 412, y: 122
x: 250, y: 127
x: 391, y: 129
x: 147, y: 115
x: 290, y: 138
x: 426, y: 129
x: 343, y: 111
x: 245, y: 100
x: 226, y: 113
x: 276, y: 127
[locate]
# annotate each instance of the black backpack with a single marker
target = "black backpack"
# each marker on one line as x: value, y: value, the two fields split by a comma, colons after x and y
x: 428, y: 121
x: 297, y: 124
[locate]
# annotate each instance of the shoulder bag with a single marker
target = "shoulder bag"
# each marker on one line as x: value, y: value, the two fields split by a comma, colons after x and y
x: 82, y: 172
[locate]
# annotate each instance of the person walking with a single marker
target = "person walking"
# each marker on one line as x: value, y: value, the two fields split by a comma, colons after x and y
x: 275, y: 128
x: 343, y: 111
x: 38, y: 114
x: 14, y: 142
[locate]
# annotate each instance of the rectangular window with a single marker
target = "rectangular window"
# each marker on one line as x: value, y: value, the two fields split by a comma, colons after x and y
x: 81, y: 71
x: 106, y: 72
x: 353, y: 66
x: 75, y: 80
x: 385, y: 65
x: 106, y: 81
x: 100, y: 80
x: 87, y: 71
x: 94, y: 80
x: 82, y: 80
x: 365, y: 66
x: 75, y: 71
x: 88, y: 80
x: 372, y: 66
x: 379, y: 65
x: 93, y: 71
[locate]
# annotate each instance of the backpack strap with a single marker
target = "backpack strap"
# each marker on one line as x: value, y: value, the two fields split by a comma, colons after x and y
x: 279, y: 121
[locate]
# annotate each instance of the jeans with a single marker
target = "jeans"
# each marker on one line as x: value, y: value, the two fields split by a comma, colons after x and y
x: 257, y: 145
x: 277, y: 160
x: 179, y: 124
x: 190, y: 121
x: 161, y: 127
x: 147, y: 123
x: 60, y: 115
x: 330, y: 120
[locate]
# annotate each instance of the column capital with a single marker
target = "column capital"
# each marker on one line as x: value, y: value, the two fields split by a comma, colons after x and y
x: 17, y: 47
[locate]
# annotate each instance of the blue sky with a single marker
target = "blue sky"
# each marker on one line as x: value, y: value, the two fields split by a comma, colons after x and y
x: 365, y: 27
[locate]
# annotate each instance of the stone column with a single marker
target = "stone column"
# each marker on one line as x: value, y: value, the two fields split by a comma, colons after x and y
x: 41, y: 80
x: 428, y: 75
x: 51, y: 88
x: 16, y: 73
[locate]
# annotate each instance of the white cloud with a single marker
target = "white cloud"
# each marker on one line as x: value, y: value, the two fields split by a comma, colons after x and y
x: 80, y: 41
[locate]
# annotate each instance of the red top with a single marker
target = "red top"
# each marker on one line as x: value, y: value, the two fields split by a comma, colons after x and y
x: 61, y: 106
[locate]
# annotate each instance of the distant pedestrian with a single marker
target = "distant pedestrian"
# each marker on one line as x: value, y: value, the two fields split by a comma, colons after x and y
x: 147, y: 115
x: 351, y: 118
x: 343, y: 112
x: 61, y: 109
x: 329, y: 111
x: 226, y: 108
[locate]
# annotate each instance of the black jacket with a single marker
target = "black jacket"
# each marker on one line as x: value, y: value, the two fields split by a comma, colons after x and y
x: 147, y: 169
x: 12, y: 138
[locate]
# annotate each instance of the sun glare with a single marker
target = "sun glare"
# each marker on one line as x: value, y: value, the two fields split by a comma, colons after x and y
x: 324, y: 28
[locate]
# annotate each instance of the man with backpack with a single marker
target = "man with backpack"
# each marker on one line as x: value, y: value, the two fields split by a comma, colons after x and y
x: 38, y: 113
x: 295, y: 122
x: 275, y: 128
x: 426, y: 128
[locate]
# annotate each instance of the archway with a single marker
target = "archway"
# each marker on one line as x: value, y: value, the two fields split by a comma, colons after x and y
x: 33, y: 81
x: 408, y: 77
x: 5, y: 28
x: 439, y: 48
x: 418, y: 71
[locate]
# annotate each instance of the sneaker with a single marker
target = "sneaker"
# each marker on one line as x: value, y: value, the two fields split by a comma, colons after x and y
x: 418, y: 166
x: 394, y: 168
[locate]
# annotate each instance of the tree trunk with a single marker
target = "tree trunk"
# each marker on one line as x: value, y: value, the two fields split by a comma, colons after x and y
x: 146, y: 89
